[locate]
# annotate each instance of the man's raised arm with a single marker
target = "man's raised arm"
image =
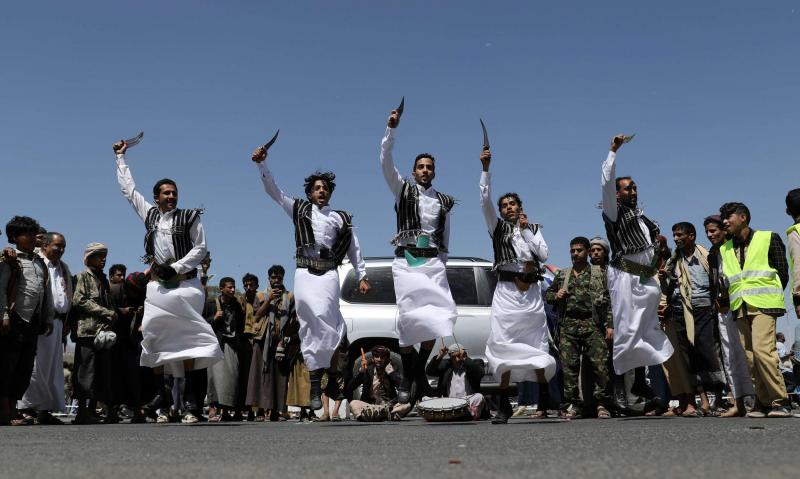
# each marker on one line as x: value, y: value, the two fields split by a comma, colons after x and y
x: 393, y: 177
x: 285, y: 202
x: 126, y: 183
x: 487, y: 207
x: 608, y: 179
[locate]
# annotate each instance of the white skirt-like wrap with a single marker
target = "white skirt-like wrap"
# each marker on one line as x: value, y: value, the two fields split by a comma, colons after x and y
x: 321, y: 324
x: 426, y: 307
x: 173, y: 328
x: 46, y: 390
x: 518, y: 339
x: 638, y: 338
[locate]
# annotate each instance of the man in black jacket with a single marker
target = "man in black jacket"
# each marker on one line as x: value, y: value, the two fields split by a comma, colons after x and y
x: 379, y: 382
x: 459, y: 377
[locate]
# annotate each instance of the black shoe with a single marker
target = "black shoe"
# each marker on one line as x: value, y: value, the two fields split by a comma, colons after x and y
x: 316, y: 389
x: 504, y: 411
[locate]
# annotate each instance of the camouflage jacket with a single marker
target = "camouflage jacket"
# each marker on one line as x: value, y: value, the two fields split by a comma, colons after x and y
x: 588, y: 294
x: 91, y: 303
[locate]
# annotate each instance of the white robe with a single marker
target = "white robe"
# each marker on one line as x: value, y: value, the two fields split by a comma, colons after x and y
x: 638, y: 338
x: 426, y: 307
x: 317, y: 297
x: 173, y: 327
x: 518, y: 337
x: 46, y: 390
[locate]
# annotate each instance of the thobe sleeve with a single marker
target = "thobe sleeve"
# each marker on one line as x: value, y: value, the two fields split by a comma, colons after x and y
x: 536, y: 243
x: 195, y: 255
x: 390, y: 173
x: 609, y: 186
x: 273, y: 191
x: 128, y: 187
x: 354, y: 255
x: 487, y: 206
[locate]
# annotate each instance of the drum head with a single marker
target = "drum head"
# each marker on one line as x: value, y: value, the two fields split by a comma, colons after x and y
x: 442, y: 404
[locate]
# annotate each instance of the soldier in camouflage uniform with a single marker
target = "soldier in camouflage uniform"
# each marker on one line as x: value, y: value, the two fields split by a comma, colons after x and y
x: 580, y: 295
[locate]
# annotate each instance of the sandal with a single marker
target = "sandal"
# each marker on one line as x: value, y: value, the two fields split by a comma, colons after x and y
x: 602, y: 413
x: 695, y: 413
x: 214, y: 419
x: 259, y: 418
x: 539, y: 414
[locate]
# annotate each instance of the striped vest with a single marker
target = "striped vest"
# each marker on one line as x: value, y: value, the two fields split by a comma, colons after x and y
x: 408, y: 222
x: 182, y: 222
x: 503, y: 244
x: 625, y: 234
x: 304, y: 233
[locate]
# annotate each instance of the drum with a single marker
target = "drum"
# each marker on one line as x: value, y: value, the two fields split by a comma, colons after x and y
x: 443, y: 409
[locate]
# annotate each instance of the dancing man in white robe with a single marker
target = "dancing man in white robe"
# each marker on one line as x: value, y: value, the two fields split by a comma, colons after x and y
x: 518, y: 345
x: 426, y: 307
x: 45, y: 393
x: 323, y: 237
x: 174, y: 333
x: 635, y: 293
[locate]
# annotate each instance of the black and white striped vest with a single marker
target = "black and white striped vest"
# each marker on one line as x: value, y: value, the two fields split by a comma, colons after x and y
x: 304, y: 233
x: 625, y: 234
x: 408, y: 222
x: 503, y: 243
x: 182, y: 222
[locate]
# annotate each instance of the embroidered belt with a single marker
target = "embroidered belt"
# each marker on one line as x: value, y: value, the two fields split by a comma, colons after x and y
x: 532, y: 277
x: 634, y: 268
x: 316, y: 266
x: 180, y: 277
x: 399, y: 252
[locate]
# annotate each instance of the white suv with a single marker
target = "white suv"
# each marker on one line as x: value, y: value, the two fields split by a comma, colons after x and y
x: 372, y: 319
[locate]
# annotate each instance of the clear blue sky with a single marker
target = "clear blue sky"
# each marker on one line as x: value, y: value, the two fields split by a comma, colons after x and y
x: 711, y: 88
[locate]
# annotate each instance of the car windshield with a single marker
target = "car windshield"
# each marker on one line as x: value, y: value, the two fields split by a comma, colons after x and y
x: 470, y: 286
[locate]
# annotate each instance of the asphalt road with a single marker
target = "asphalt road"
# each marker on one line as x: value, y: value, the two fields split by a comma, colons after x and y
x: 412, y: 449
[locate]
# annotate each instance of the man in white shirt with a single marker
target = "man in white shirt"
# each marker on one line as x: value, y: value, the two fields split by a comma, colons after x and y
x: 45, y: 393
x: 518, y: 343
x: 323, y: 237
x: 635, y: 293
x: 426, y: 307
x: 174, y: 332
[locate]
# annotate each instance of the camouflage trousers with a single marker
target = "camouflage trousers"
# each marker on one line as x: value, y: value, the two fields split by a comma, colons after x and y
x: 581, y: 338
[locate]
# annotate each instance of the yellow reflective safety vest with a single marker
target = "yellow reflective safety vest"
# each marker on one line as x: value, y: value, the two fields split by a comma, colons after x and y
x: 795, y: 228
x: 757, y: 284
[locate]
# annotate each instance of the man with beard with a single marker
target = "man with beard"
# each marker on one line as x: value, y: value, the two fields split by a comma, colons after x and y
x: 755, y: 267
x: 269, y: 369
x: 426, y: 307
x: 635, y: 294
x: 323, y: 237
x: 517, y: 347
x: 687, y: 285
x: 174, y: 332
x: 45, y: 393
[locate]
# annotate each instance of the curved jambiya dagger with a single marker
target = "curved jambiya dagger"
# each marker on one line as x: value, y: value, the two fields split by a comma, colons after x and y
x: 271, y: 142
x: 628, y: 138
x: 400, y: 108
x: 485, y: 135
x: 135, y: 140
